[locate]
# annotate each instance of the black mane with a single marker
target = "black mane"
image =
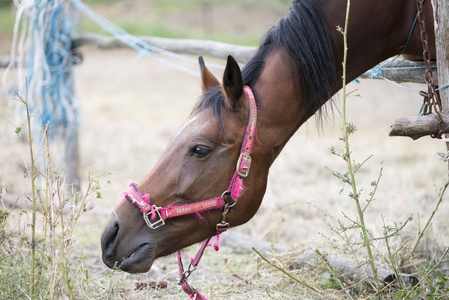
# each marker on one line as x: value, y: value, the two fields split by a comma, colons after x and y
x: 303, y: 33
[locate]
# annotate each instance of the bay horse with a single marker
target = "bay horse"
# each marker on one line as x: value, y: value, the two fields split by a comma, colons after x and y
x: 296, y: 70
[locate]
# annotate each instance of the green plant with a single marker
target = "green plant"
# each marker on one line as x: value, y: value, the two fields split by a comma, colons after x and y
x: 349, y: 176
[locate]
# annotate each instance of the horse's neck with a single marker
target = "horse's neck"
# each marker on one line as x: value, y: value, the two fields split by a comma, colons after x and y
x: 376, y: 32
x: 278, y: 114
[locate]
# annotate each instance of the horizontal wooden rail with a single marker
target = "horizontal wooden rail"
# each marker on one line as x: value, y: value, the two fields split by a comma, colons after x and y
x: 179, y: 46
x: 399, y: 70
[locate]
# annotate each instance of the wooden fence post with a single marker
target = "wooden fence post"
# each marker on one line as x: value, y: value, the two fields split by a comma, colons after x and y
x: 441, y: 21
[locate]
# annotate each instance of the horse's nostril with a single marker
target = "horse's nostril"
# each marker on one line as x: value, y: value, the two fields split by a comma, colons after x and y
x: 109, y: 238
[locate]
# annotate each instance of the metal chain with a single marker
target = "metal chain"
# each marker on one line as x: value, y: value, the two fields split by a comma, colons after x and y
x: 432, y: 99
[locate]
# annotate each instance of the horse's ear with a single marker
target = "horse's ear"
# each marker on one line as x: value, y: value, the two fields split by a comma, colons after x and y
x: 208, y: 80
x: 233, y: 84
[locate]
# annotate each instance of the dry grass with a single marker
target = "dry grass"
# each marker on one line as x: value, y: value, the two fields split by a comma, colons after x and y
x: 146, y: 102
x: 122, y: 100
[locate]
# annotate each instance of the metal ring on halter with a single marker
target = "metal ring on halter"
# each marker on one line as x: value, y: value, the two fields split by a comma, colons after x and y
x: 228, y: 204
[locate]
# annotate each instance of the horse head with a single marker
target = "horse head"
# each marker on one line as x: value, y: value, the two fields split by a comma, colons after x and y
x: 198, y: 164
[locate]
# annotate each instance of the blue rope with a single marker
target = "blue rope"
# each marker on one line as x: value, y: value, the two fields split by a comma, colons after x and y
x: 49, y: 69
x: 421, y: 109
x: 411, y: 31
x: 442, y: 87
x: 137, y: 44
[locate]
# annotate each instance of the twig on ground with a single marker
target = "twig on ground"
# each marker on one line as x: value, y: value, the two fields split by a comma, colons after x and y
x: 421, y: 232
x: 297, y: 280
x: 341, y: 280
x: 426, y: 275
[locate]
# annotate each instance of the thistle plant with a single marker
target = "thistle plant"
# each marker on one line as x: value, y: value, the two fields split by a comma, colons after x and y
x: 349, y: 177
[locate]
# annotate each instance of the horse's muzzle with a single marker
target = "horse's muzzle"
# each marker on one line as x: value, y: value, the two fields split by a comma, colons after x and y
x: 129, y: 256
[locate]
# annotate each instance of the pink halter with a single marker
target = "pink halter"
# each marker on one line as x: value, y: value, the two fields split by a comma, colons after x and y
x: 155, y: 216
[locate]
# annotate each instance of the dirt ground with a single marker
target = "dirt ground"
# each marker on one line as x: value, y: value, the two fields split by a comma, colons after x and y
x: 131, y: 108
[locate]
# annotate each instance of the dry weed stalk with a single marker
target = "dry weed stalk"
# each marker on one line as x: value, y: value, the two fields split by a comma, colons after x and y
x: 52, y: 272
x: 349, y: 177
x: 33, y: 175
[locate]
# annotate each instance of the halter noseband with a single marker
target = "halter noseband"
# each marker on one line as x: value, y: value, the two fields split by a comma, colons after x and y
x: 155, y: 216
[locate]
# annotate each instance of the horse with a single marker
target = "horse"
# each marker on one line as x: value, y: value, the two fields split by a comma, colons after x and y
x: 248, y: 119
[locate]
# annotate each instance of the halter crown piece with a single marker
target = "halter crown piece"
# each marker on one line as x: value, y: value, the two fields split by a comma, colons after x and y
x: 155, y: 216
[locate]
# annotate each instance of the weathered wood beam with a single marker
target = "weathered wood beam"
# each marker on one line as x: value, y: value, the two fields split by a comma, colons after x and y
x: 441, y: 26
x: 441, y: 16
x: 401, y: 70
x: 416, y: 127
x: 180, y: 46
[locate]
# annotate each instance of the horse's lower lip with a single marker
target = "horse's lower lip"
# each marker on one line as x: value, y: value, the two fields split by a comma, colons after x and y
x: 139, y: 261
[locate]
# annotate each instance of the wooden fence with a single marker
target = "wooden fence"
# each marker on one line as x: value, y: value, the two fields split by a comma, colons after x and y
x: 399, y: 70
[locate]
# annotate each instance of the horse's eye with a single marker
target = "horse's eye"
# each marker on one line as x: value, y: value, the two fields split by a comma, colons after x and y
x: 200, y: 151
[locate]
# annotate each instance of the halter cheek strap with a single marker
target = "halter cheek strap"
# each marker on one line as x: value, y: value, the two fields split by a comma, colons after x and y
x: 155, y: 216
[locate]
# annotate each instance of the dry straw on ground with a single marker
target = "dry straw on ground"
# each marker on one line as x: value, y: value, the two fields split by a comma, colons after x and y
x: 149, y: 102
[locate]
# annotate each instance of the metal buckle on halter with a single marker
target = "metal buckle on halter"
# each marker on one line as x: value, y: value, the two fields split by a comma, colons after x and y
x: 156, y: 224
x: 223, y: 225
x: 243, y: 165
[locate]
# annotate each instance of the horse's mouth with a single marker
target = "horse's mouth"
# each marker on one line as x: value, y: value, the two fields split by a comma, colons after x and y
x: 139, y: 260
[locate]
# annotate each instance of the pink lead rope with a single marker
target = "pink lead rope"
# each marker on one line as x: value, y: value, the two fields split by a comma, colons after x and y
x: 155, y: 216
